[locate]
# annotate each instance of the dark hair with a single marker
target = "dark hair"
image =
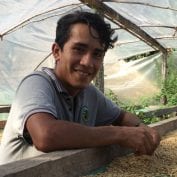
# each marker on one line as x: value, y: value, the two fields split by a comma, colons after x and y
x: 92, y: 19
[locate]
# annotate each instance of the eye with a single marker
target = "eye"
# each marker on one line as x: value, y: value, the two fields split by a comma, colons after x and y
x: 79, y: 49
x: 98, y: 55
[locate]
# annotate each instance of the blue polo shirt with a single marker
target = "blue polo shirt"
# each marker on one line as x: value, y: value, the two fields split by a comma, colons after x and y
x: 41, y: 91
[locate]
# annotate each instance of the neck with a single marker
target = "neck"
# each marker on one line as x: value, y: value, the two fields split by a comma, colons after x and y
x: 72, y: 91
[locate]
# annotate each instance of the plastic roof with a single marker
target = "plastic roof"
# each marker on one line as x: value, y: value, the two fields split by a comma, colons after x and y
x: 27, y: 30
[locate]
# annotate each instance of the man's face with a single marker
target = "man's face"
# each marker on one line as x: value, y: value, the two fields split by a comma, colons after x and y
x: 80, y: 59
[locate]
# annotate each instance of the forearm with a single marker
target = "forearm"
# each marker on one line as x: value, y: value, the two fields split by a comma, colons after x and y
x: 74, y: 135
x: 127, y: 119
x: 49, y: 134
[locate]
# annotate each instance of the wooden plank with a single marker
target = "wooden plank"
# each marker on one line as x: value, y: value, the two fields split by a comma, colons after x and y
x: 160, y: 112
x: 74, y: 162
x: 4, y: 108
x: 2, y: 124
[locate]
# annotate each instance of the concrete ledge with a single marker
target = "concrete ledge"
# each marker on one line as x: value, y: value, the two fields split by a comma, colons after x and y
x: 62, y: 164
x: 160, y: 111
x: 73, y: 163
x: 165, y: 126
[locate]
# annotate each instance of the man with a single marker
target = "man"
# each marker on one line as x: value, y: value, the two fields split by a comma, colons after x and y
x: 56, y: 109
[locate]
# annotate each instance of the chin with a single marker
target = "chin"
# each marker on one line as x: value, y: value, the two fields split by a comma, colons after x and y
x: 81, y: 85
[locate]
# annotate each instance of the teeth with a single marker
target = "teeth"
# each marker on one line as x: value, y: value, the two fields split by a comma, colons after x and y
x: 83, y: 73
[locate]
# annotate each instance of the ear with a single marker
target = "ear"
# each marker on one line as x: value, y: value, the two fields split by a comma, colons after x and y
x: 56, y: 51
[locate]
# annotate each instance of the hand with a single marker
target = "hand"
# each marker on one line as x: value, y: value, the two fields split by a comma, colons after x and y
x: 155, y: 135
x: 143, y: 139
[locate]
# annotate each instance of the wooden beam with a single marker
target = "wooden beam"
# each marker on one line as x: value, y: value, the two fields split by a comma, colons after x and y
x: 4, y: 109
x: 2, y: 124
x: 125, y: 23
x: 160, y: 111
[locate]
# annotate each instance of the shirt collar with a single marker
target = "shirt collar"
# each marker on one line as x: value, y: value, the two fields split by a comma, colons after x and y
x: 56, y: 81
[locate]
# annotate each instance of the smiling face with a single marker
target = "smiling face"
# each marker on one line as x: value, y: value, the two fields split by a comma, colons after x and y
x: 80, y: 59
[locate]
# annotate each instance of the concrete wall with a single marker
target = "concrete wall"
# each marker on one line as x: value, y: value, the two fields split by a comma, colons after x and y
x: 73, y: 163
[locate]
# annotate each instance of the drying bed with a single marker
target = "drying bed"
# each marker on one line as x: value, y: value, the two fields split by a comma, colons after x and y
x: 162, y: 164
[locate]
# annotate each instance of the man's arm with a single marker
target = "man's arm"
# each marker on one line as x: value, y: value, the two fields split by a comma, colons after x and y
x: 127, y: 119
x: 49, y: 134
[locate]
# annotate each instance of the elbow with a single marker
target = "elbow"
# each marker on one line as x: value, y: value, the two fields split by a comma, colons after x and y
x: 44, y: 143
x: 42, y: 146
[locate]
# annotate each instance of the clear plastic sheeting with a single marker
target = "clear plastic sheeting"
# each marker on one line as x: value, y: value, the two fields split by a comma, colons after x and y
x: 21, y: 12
x: 156, y: 18
x: 133, y: 80
x: 27, y: 31
x: 123, y: 51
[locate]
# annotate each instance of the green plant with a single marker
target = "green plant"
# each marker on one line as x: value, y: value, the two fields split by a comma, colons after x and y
x: 130, y: 107
x: 168, y: 89
x: 169, y: 86
x: 139, y: 110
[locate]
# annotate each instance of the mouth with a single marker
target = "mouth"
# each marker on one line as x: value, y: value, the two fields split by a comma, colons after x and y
x: 83, y: 73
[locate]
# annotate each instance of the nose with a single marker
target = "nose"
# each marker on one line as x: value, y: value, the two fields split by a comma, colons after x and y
x: 87, y: 60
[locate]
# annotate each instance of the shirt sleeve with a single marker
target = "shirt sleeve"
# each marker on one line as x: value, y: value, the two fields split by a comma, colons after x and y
x: 107, y: 111
x: 34, y: 94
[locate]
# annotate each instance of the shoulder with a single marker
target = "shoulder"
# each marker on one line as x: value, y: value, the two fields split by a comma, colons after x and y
x: 36, y: 76
x: 35, y: 80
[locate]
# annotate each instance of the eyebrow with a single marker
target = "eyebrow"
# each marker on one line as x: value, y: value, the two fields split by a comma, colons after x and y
x: 85, y: 46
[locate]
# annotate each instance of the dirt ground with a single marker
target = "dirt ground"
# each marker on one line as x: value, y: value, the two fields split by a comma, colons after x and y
x: 162, y: 164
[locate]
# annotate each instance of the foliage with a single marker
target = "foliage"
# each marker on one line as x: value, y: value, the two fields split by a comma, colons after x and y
x: 138, y: 110
x: 168, y: 89
x: 128, y: 106
x: 169, y: 86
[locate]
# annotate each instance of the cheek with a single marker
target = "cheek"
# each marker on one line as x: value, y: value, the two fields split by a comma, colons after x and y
x: 98, y: 65
x: 66, y: 60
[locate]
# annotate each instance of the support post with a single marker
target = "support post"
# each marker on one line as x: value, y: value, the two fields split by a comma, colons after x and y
x: 164, y: 77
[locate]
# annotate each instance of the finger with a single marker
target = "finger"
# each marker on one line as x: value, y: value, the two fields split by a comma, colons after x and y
x: 140, y: 151
x: 156, y: 138
x: 149, y: 144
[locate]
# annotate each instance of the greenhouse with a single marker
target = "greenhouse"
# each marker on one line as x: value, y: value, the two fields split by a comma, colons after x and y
x: 141, y: 65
